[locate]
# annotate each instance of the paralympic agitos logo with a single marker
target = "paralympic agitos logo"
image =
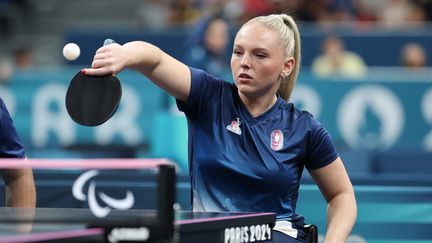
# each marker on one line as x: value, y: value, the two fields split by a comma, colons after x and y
x: 92, y: 196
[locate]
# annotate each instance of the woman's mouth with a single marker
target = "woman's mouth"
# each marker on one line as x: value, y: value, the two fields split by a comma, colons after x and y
x: 244, y: 76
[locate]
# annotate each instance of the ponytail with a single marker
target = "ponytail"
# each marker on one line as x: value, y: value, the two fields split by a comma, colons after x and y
x: 287, y: 83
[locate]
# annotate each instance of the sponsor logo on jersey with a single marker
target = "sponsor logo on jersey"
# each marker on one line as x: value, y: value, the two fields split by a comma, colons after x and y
x: 234, y: 126
x: 276, y: 140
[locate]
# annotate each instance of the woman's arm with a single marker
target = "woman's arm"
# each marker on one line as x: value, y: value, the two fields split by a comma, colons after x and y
x: 337, y: 190
x: 164, y: 70
x: 20, y: 188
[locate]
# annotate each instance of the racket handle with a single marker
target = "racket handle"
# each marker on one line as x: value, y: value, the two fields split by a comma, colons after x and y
x: 108, y: 41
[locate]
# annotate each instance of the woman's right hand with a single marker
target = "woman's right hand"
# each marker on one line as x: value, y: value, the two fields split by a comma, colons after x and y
x: 109, y: 59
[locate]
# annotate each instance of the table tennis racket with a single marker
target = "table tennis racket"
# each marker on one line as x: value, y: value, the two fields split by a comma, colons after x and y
x: 92, y: 100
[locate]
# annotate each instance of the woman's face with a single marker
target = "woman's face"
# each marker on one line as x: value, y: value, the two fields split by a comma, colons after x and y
x: 414, y: 56
x: 258, y: 60
x: 216, y: 37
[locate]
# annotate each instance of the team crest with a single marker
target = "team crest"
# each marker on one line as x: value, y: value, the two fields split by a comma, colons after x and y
x: 234, y: 126
x: 276, y: 140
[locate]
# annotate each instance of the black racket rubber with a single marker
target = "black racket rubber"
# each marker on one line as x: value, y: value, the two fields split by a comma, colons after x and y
x: 92, y: 100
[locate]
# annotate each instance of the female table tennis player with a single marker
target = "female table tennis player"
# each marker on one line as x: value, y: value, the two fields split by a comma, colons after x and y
x: 247, y: 144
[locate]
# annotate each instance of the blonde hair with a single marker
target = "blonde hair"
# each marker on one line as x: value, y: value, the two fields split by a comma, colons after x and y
x: 289, y: 34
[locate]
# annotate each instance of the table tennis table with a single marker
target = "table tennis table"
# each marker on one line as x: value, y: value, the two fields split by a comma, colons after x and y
x: 109, y: 219
x: 80, y: 225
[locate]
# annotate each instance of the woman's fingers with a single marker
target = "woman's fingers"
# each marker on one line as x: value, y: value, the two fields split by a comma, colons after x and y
x: 105, y: 61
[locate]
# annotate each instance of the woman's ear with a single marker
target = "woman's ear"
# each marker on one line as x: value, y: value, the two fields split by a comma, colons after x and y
x: 288, y: 66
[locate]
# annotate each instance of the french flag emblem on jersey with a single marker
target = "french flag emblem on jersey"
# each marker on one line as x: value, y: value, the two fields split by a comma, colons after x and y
x: 276, y: 140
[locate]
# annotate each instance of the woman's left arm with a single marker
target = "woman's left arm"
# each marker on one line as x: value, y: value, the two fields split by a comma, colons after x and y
x: 20, y: 188
x: 336, y: 187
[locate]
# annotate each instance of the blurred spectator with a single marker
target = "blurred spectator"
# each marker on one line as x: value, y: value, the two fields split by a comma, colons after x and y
x: 6, y: 70
x: 393, y: 13
x: 281, y: 6
x: 418, y: 14
x: 23, y: 57
x: 253, y: 8
x: 257, y: 7
x: 413, y: 56
x: 20, y: 58
x: 396, y: 13
x: 306, y: 10
x: 207, y: 46
x: 313, y: 10
x: 231, y: 9
x: 183, y: 12
x: 427, y: 7
x: 342, y: 10
x: 336, y: 61
x: 153, y: 14
x: 211, y: 7
x: 365, y: 14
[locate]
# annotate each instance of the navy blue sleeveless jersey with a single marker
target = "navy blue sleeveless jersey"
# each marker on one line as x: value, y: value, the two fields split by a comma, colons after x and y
x: 249, y: 164
x: 10, y: 144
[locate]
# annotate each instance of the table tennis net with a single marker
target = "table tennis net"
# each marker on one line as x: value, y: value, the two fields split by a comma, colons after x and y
x: 121, y: 192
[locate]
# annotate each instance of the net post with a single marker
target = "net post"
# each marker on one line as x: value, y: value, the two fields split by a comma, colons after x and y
x: 165, y: 196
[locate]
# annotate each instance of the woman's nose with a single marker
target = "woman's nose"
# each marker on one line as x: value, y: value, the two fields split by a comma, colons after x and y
x: 245, y: 61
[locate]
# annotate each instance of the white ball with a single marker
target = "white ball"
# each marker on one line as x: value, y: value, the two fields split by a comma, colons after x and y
x: 71, y: 51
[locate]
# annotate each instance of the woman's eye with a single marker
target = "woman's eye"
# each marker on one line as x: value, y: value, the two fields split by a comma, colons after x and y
x: 260, y: 55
